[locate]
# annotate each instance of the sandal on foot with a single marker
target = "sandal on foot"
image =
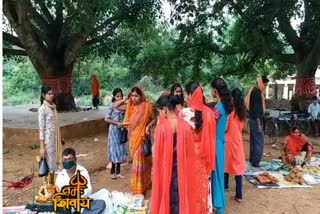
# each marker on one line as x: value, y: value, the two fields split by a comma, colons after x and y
x: 120, y: 176
x: 239, y: 200
x: 113, y: 176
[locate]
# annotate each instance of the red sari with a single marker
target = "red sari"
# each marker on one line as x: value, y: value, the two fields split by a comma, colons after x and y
x: 162, y: 167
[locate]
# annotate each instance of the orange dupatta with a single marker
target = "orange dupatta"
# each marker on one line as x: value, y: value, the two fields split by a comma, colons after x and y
x: 94, y: 87
x: 138, y: 118
x: 162, y: 167
x: 294, y: 144
x: 208, y: 129
x: 261, y: 88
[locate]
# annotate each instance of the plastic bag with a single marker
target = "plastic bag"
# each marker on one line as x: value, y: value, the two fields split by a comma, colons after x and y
x: 43, y: 168
x: 123, y: 136
x: 147, y: 147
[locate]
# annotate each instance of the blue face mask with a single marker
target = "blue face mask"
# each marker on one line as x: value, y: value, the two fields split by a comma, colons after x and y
x: 68, y: 164
x: 315, y: 102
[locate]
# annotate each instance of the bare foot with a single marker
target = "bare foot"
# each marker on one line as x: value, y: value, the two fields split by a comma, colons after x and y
x: 109, y: 165
x: 113, y: 176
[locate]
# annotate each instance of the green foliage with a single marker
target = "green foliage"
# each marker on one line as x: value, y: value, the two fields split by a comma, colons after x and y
x: 21, y: 83
x: 251, y: 37
x: 34, y: 146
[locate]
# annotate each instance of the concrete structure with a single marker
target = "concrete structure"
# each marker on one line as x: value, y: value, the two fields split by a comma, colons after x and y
x: 284, y: 88
x: 20, y: 126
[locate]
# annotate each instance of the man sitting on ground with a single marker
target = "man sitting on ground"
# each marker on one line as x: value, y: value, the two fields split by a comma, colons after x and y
x: 101, y: 202
x: 314, y: 111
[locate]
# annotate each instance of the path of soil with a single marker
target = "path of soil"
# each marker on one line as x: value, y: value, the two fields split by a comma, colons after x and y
x: 18, y: 160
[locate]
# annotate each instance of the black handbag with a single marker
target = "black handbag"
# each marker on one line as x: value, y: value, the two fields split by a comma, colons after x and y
x: 147, y: 147
x: 43, y: 168
x: 123, y: 136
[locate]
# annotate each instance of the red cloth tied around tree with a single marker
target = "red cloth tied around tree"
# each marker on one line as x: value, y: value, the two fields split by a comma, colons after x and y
x: 208, y: 130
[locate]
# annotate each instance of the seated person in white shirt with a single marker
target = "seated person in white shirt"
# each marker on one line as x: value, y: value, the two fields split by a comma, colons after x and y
x: 314, y: 111
x: 101, y: 202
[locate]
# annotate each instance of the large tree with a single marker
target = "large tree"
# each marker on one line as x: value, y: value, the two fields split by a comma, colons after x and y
x: 52, y: 33
x: 285, y: 32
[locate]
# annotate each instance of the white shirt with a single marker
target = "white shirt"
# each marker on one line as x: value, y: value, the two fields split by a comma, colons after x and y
x: 63, y: 180
x: 314, y: 110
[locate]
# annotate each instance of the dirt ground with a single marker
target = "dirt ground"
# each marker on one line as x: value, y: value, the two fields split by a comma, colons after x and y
x: 18, y: 160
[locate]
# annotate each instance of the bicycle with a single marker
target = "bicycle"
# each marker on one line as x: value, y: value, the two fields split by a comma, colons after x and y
x: 272, y: 125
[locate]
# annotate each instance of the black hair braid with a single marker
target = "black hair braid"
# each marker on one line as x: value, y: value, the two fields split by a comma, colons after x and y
x: 198, y: 120
x: 222, y: 88
x: 226, y: 100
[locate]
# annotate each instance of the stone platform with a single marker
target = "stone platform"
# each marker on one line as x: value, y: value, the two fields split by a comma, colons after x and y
x: 20, y: 125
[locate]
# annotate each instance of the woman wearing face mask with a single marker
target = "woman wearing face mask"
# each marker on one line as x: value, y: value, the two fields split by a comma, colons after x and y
x: 201, y: 119
x: 219, y: 90
x: 137, y: 117
x: 172, y: 178
x: 116, y: 150
x: 234, y: 159
x: 49, y: 129
x: 297, y: 149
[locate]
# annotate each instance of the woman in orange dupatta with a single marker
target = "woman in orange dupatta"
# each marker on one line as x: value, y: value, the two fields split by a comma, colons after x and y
x: 137, y: 117
x: 296, y: 148
x: 95, y: 91
x: 172, y: 151
x: 201, y: 119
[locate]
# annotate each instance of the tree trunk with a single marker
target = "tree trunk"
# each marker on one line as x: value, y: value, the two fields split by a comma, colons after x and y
x: 62, y: 87
x: 305, y: 89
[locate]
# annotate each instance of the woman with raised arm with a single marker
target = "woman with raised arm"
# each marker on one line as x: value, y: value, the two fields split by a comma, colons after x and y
x: 116, y: 149
x: 136, y: 119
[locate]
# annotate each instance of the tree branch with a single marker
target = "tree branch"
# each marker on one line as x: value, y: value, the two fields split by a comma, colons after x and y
x: 104, y: 35
x: 73, y: 48
x: 285, y: 58
x: 39, y: 20
x: 14, y: 52
x: 290, y: 34
x: 106, y: 23
x: 12, y: 39
x: 45, y: 10
x: 17, y: 15
x: 312, y: 61
x: 59, y: 12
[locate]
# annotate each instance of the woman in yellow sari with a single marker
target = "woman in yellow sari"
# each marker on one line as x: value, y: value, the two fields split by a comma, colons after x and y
x: 137, y: 117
